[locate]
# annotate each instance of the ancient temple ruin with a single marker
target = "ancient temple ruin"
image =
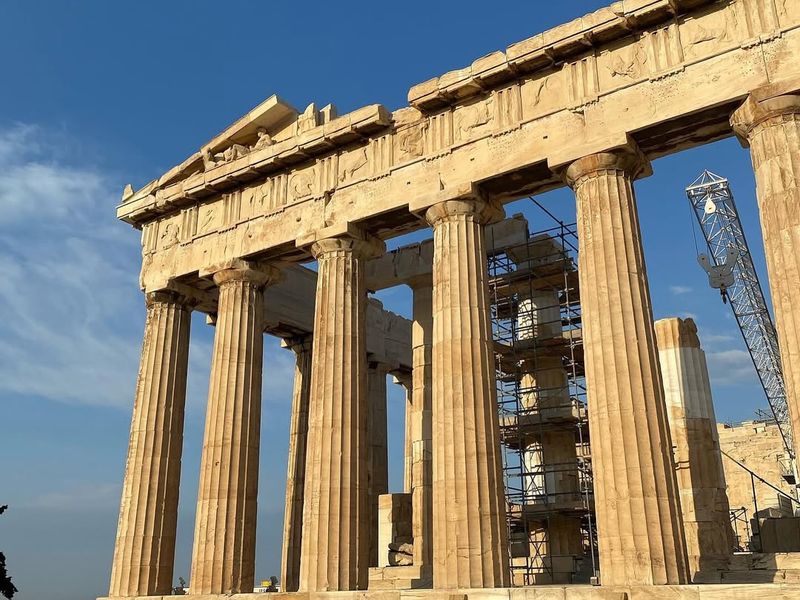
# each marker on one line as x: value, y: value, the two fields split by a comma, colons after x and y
x: 600, y: 396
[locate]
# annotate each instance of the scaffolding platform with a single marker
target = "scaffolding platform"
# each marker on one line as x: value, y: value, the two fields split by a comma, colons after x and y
x: 541, y: 396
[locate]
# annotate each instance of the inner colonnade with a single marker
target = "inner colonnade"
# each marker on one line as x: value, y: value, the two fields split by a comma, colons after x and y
x: 586, y: 105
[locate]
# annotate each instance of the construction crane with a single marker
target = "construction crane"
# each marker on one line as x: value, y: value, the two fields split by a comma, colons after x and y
x: 730, y: 269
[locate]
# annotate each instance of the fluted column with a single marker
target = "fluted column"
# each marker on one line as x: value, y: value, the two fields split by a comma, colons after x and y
x: 421, y: 426
x: 639, y: 529
x: 378, y: 461
x: 335, y: 550
x: 223, y: 559
x: 296, y: 471
x: 698, y: 462
x: 470, y: 540
x: 145, y: 547
x: 772, y: 130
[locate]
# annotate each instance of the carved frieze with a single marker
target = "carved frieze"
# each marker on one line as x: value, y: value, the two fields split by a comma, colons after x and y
x: 301, y: 184
x: 707, y: 32
x: 353, y: 165
x: 473, y: 119
x: 788, y: 11
x: 623, y: 65
x: 543, y: 94
x: 409, y: 142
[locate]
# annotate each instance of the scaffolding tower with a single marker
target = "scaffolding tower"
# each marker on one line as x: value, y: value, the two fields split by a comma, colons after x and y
x: 541, y: 396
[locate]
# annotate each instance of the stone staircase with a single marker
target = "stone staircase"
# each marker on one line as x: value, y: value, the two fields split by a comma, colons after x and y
x: 757, y: 568
x: 399, y: 578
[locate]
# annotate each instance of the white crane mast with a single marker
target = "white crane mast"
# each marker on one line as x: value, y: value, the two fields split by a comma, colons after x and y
x: 731, y: 270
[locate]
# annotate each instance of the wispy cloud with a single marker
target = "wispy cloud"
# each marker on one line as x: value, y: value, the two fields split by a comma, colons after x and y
x: 730, y: 367
x: 84, y: 496
x: 678, y: 290
x: 67, y: 277
x: 73, y: 315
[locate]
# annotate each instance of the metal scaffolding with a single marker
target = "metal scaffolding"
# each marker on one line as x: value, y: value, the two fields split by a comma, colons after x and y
x: 541, y: 395
x: 713, y: 205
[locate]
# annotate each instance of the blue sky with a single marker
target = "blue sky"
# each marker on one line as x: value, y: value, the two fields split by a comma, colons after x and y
x: 98, y: 94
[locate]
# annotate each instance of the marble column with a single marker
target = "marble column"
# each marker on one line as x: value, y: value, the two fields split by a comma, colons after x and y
x: 223, y: 559
x: 470, y: 548
x: 771, y: 128
x: 551, y: 459
x: 296, y: 471
x: 698, y: 461
x: 378, y: 459
x: 421, y: 426
x: 408, y: 445
x: 639, y: 525
x: 335, y: 550
x: 145, y: 547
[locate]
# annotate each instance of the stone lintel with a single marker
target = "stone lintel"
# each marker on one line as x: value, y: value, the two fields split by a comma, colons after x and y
x: 464, y: 191
x: 319, y: 240
x: 255, y: 269
x: 412, y: 265
x: 618, y: 143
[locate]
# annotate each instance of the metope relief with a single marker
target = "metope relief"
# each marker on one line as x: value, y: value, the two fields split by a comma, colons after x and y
x: 353, y: 165
x: 788, y: 11
x: 626, y: 64
x: 474, y: 119
x: 409, y: 142
x: 708, y: 33
x: 168, y: 233
x: 301, y: 184
x: 542, y: 95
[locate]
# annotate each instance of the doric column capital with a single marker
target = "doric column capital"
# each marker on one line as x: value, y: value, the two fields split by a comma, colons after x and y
x: 298, y: 344
x: 629, y: 160
x: 240, y: 270
x: 475, y: 207
x: 365, y: 246
x: 168, y: 297
x: 754, y: 113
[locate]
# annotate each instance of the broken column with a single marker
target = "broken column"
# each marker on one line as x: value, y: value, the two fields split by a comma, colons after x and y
x: 223, y: 558
x: 771, y: 128
x: 701, y: 478
x: 335, y: 547
x: 639, y: 527
x: 296, y: 471
x: 144, y: 551
x: 470, y: 547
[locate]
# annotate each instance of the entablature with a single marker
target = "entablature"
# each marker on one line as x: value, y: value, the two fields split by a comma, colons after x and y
x: 666, y: 82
